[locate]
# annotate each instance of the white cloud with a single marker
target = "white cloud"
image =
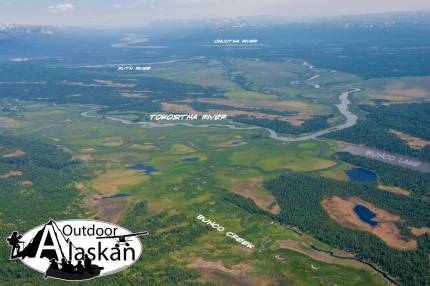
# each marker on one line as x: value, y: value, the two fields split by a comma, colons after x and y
x: 61, y: 8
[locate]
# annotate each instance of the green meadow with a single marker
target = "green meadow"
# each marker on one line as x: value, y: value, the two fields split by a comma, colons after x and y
x: 181, y: 189
x: 197, y: 170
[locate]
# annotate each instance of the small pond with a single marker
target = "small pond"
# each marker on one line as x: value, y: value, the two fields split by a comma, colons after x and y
x: 191, y: 159
x: 237, y: 142
x: 361, y: 175
x: 365, y: 214
x: 142, y: 167
x: 114, y: 196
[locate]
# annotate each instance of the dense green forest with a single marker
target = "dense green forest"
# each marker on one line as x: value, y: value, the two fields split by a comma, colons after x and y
x: 29, y: 82
x: 244, y: 203
x: 43, y: 189
x: 300, y: 197
x: 203, y: 106
x: 313, y: 124
x: 374, y: 130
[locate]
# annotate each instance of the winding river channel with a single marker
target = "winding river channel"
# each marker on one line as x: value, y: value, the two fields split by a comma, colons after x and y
x: 344, y: 102
x: 381, y: 272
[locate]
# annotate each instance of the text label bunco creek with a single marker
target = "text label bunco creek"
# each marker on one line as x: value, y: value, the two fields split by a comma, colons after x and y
x: 220, y: 228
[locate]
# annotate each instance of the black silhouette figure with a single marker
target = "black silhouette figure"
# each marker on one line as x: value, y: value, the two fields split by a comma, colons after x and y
x: 53, y: 265
x: 63, y: 263
x: 70, y: 267
x: 31, y: 249
x: 80, y: 268
x: 87, y: 262
x: 14, y: 241
x: 80, y: 271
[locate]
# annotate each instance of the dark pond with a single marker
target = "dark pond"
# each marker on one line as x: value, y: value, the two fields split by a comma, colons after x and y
x: 237, y: 142
x: 365, y: 214
x: 361, y: 175
x: 142, y: 167
x: 117, y: 196
x: 191, y: 159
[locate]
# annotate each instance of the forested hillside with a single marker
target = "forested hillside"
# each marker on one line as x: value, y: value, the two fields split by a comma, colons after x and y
x: 36, y: 185
x: 300, y: 197
x: 380, y: 124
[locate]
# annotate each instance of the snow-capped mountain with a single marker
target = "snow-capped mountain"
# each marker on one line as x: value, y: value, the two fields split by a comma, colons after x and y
x: 8, y: 31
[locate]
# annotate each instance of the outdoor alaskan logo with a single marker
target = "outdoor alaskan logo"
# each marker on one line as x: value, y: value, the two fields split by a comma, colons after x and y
x: 76, y: 249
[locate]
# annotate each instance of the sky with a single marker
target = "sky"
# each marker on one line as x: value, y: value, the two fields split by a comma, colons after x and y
x: 141, y: 12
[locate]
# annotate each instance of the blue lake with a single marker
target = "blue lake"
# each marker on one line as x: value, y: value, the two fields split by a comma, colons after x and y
x: 142, y: 167
x: 365, y: 215
x: 191, y: 159
x: 117, y: 196
x: 361, y: 175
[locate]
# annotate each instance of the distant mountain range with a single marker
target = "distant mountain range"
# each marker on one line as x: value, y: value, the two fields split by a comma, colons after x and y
x: 264, y: 21
x: 19, y: 43
x: 8, y: 31
x: 252, y: 22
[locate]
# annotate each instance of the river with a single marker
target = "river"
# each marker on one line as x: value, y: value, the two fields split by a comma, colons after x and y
x: 344, y: 102
x: 383, y: 273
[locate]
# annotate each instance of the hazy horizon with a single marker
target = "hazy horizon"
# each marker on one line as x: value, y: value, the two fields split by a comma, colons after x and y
x: 141, y: 12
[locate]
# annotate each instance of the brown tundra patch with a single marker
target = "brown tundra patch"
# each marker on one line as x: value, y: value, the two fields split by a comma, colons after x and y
x: 342, y: 211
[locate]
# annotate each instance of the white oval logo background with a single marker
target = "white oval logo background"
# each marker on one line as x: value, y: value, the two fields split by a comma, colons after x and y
x: 85, y: 234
